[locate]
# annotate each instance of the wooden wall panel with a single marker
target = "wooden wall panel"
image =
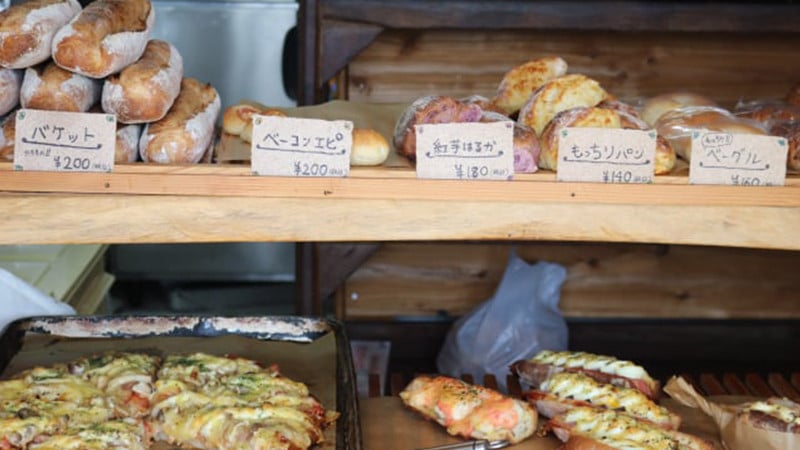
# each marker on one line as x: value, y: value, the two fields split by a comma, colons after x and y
x: 402, y: 65
x: 604, y: 280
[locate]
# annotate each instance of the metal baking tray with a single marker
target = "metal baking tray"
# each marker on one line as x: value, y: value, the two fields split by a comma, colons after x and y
x: 314, y: 351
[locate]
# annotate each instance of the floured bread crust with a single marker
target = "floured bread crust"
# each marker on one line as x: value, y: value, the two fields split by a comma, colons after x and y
x: 27, y: 30
x: 145, y: 90
x: 184, y: 134
x: 10, y: 84
x: 52, y: 88
x: 127, y: 146
x: 105, y: 37
x: 7, y: 135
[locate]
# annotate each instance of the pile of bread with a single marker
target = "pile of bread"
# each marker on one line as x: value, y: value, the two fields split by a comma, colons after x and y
x: 542, y: 98
x: 56, y: 55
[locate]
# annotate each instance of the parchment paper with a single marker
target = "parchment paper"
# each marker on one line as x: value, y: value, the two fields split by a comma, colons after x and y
x: 379, y: 117
x: 313, y: 363
x: 735, y: 434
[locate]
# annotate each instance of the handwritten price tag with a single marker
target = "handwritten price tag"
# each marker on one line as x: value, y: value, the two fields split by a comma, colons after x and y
x: 466, y: 151
x: 737, y: 159
x: 284, y: 146
x: 64, y: 141
x: 606, y: 155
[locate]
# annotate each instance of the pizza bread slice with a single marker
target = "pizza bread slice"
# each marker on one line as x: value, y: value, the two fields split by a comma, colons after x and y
x: 567, y: 390
x: 605, y: 369
x: 116, y: 434
x: 126, y: 377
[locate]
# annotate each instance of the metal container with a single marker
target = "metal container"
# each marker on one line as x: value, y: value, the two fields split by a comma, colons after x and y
x: 313, y: 351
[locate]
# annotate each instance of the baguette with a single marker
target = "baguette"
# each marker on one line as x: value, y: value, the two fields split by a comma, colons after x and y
x: 49, y: 87
x: 7, y: 135
x: 184, y: 134
x: 10, y: 84
x: 27, y: 30
x: 145, y: 90
x: 105, y: 37
x: 127, y: 144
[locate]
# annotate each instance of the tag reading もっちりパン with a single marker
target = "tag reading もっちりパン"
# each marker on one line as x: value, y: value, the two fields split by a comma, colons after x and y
x: 64, y: 141
x: 293, y: 147
x: 465, y: 151
x: 606, y: 155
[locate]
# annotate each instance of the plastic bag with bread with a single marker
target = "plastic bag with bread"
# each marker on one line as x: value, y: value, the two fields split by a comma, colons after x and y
x: 677, y: 126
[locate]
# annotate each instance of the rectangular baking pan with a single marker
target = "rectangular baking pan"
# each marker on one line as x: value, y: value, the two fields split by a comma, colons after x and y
x: 314, y: 351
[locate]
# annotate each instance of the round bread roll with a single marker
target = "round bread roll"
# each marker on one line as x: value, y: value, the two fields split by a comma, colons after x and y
x: 482, y: 102
x: 7, y: 135
x: 520, y: 82
x: 370, y: 148
x: 105, y: 37
x: 586, y: 117
x: 10, y: 84
x: 557, y: 95
x: 793, y: 97
x: 790, y: 131
x: 526, y: 144
x: 27, y: 30
x: 677, y: 126
x: 237, y: 117
x: 247, y: 132
x: 49, y: 87
x: 144, y: 91
x: 429, y: 110
x: 657, y: 106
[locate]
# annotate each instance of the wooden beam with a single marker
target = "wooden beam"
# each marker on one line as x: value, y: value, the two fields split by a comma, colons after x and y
x: 340, y: 42
x: 337, y: 261
x: 308, y: 47
x: 735, y: 17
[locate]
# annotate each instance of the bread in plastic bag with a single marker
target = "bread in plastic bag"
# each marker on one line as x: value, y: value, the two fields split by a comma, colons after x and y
x: 677, y: 126
x: 519, y: 320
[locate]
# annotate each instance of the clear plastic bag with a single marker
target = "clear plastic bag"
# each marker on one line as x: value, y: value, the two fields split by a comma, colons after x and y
x: 519, y: 320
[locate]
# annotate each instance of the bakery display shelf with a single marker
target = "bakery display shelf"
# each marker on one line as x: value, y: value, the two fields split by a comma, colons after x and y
x: 218, y: 203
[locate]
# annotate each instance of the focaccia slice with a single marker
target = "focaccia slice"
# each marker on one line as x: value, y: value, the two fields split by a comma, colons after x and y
x: 115, y: 434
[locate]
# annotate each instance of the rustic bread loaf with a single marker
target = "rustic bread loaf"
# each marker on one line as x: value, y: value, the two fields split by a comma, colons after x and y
x: 105, y: 37
x: 10, y: 84
x: 145, y: 90
x: 557, y: 95
x: 185, y: 133
x: 27, y: 30
x: 432, y: 109
x: 7, y: 135
x: 526, y: 144
x: 49, y: 87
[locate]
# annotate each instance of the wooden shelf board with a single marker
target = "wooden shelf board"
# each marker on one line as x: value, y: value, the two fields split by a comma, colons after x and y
x: 143, y: 203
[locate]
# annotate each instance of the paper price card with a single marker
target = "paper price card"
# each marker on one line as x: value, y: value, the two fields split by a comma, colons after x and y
x: 466, y: 151
x: 285, y: 146
x: 737, y: 159
x: 64, y: 141
x: 606, y: 155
